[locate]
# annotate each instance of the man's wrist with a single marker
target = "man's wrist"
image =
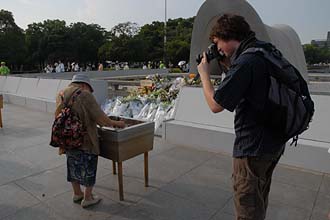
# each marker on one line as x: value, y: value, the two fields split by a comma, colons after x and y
x: 205, y: 76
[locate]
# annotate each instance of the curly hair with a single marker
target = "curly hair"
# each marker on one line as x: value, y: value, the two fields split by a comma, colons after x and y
x: 230, y: 27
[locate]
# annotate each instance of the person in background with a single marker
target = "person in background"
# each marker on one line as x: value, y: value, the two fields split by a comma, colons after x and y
x: 82, y: 162
x: 68, y: 68
x: 49, y: 68
x: 76, y: 67
x: 88, y: 67
x: 57, y: 68
x: 72, y: 66
x: 61, y: 67
x: 149, y: 65
x: 4, y: 70
x: 126, y: 67
x: 161, y: 65
x: 100, y: 68
x: 117, y: 67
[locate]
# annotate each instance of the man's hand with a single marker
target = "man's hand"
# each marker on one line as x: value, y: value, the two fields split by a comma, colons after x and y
x: 204, y: 72
x: 204, y: 67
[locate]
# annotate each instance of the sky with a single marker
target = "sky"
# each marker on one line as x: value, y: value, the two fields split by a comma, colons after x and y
x: 309, y: 18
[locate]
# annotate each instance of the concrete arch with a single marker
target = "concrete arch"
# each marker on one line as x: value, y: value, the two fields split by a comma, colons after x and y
x: 282, y: 36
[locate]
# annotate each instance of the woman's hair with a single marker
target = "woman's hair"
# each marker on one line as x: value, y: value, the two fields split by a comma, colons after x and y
x: 230, y: 27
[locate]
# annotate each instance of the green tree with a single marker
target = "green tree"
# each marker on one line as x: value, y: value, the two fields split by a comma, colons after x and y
x: 127, y: 29
x: 178, y: 50
x: 122, y: 44
x: 178, y: 34
x: 179, y: 37
x: 85, y: 40
x: 153, y: 36
x: 52, y: 40
x: 34, y: 43
x: 314, y: 54
x: 46, y: 42
x: 12, y: 43
x: 104, y: 51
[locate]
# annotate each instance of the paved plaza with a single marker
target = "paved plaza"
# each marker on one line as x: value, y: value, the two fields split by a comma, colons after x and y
x: 185, y: 183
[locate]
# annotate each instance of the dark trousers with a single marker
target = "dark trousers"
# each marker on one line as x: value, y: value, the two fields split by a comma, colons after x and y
x: 252, y: 178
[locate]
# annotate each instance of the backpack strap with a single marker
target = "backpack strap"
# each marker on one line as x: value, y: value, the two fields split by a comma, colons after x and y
x: 274, y: 56
x: 282, y: 66
x: 72, y: 98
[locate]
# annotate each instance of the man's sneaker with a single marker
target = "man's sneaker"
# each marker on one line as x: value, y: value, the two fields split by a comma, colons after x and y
x: 87, y: 203
x: 77, y: 198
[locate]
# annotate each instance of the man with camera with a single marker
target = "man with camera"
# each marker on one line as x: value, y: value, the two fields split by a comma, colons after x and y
x: 256, y: 150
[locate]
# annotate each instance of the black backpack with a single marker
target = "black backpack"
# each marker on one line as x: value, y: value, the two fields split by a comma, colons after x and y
x: 289, y: 108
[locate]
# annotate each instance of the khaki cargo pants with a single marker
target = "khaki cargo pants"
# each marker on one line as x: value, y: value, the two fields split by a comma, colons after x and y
x: 251, y: 182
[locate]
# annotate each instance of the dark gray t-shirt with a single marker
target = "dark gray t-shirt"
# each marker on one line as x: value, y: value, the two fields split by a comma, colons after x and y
x: 244, y: 90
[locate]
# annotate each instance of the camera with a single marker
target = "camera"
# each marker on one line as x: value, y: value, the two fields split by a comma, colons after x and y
x: 211, y: 53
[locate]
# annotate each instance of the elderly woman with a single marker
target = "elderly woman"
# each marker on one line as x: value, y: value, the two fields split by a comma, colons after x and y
x: 82, y: 161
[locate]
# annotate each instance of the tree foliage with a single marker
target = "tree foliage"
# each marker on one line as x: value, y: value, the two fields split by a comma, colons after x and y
x: 314, y: 54
x: 52, y: 40
x: 128, y: 42
x: 12, y: 43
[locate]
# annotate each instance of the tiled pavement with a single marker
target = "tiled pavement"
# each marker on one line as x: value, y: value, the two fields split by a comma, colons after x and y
x: 186, y: 183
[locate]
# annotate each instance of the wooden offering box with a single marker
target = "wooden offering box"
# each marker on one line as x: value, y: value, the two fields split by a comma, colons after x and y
x: 119, y: 145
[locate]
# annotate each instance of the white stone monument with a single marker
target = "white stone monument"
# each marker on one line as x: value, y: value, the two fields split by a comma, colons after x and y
x: 282, y: 36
